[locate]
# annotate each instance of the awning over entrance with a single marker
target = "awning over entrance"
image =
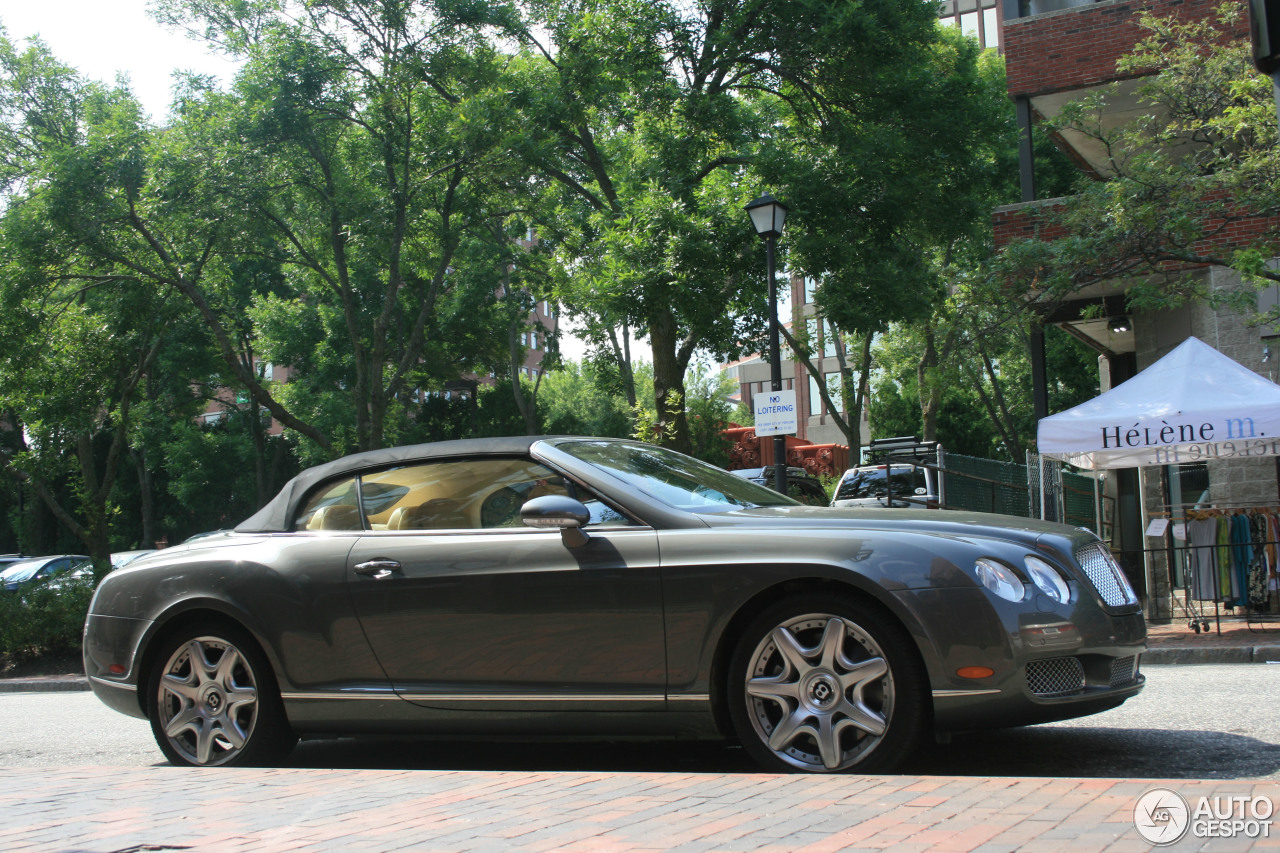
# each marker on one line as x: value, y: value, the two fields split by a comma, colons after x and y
x: 1193, y: 405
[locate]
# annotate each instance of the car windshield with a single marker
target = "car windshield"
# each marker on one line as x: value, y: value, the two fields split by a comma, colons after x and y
x: 673, y: 478
x: 870, y: 483
x: 23, y: 571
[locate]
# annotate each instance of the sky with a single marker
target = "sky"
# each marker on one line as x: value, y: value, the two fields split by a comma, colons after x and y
x: 103, y: 38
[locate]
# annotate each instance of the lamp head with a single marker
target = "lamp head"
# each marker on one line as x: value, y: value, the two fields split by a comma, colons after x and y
x: 767, y: 215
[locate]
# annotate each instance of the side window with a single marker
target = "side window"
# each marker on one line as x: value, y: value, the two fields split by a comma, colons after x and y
x: 467, y: 494
x: 333, y: 507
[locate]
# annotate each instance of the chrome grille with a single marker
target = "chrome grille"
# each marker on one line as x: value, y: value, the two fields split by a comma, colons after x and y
x: 1055, y: 677
x: 1124, y: 671
x: 1106, y: 575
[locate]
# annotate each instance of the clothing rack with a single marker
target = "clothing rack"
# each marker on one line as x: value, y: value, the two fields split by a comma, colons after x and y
x: 1241, y: 570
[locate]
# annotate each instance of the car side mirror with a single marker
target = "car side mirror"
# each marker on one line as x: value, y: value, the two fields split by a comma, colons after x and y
x: 558, y: 511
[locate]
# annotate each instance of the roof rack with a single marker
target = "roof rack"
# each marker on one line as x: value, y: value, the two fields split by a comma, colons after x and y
x: 904, y: 448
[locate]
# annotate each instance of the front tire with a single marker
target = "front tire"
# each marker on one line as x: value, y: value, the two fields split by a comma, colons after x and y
x: 214, y: 700
x: 826, y: 684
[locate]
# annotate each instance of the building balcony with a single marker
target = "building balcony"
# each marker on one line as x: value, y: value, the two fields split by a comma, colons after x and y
x: 1058, y: 46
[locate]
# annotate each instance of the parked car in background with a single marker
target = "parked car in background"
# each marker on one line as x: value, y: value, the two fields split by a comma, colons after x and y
x: 37, y: 569
x: 897, y: 485
x: 83, y: 571
x: 120, y: 559
x: 801, y: 485
x: 570, y: 587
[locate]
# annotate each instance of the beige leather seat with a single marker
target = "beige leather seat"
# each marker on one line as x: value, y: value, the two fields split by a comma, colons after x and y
x: 437, y: 514
x: 335, y: 517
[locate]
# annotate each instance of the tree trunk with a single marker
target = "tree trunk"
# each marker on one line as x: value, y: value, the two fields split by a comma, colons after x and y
x: 668, y: 384
x: 622, y: 354
x: 262, y: 489
x: 928, y: 386
x: 146, y: 499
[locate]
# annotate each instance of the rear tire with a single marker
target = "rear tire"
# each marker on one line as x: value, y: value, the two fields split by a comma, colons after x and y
x: 214, y: 701
x: 825, y: 684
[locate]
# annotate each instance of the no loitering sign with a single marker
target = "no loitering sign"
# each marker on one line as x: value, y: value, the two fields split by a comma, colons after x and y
x: 775, y: 412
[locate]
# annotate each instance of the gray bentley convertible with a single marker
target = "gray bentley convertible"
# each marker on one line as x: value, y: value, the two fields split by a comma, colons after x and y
x: 582, y: 587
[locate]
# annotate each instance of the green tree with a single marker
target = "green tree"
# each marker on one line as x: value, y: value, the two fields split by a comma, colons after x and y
x: 574, y: 401
x: 656, y: 122
x: 370, y: 142
x: 78, y: 334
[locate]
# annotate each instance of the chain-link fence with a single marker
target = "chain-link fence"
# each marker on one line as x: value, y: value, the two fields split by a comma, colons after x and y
x: 984, y: 485
x: 990, y: 485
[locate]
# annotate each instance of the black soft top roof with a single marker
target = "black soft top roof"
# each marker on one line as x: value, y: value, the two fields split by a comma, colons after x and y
x: 275, y: 516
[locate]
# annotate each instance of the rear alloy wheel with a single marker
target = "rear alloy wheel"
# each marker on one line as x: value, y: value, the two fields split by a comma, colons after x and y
x: 826, y: 685
x: 214, y: 701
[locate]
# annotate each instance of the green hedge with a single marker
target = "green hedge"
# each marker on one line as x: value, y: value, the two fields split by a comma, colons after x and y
x: 44, y: 619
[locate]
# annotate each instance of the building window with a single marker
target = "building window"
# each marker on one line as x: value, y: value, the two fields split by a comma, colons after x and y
x: 820, y: 339
x: 810, y: 289
x: 815, y: 397
x: 833, y: 388
x: 990, y: 28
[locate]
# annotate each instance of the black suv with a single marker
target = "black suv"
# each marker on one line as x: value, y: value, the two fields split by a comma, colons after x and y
x: 801, y: 485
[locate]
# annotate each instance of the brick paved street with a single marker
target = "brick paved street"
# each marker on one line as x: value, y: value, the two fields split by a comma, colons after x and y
x: 163, y: 808
x: 113, y: 810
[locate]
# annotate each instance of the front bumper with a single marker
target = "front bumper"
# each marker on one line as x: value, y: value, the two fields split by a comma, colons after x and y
x: 112, y: 641
x: 1045, y: 663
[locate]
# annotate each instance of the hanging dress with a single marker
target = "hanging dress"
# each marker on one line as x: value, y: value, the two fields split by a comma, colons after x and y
x: 1202, y: 534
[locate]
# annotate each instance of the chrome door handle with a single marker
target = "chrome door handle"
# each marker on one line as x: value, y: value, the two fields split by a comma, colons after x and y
x: 377, y: 569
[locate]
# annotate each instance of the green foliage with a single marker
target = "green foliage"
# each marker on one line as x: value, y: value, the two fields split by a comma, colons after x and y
x: 573, y: 401
x: 964, y: 423
x: 43, y: 620
x: 648, y: 425
x: 650, y: 125
x: 709, y: 412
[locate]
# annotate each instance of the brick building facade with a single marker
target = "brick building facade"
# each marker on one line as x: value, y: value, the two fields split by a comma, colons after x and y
x: 1058, y: 51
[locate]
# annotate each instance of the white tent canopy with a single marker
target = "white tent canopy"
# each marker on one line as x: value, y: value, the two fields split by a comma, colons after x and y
x: 1193, y: 405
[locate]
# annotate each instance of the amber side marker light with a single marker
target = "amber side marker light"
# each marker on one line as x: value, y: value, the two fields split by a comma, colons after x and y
x: 975, y: 672
x: 116, y: 669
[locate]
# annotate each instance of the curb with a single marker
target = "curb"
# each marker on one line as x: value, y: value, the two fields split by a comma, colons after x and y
x: 1238, y: 654
x: 51, y: 684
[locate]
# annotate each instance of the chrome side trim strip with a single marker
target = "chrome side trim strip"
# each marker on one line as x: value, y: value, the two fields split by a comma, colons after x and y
x: 950, y: 694
x: 529, y: 697
x: 381, y: 694
x: 690, y: 697
x: 482, y: 697
x: 109, y: 683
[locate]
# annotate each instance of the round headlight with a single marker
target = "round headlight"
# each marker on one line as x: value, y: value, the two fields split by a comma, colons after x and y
x: 999, y: 579
x: 1048, y: 579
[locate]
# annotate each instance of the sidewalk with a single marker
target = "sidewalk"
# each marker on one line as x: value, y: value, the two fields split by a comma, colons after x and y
x: 112, y: 810
x: 100, y: 810
x: 1231, y: 640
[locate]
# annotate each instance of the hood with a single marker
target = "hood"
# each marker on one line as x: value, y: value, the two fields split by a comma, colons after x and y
x: 1028, y: 531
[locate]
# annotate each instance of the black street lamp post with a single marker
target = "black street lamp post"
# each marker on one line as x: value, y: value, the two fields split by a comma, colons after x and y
x: 768, y: 215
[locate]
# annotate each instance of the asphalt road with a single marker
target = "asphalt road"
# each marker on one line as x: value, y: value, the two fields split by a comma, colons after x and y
x: 1191, y: 722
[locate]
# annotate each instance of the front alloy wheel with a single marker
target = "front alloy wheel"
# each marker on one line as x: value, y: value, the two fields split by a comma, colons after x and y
x: 214, y: 702
x: 825, y: 688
